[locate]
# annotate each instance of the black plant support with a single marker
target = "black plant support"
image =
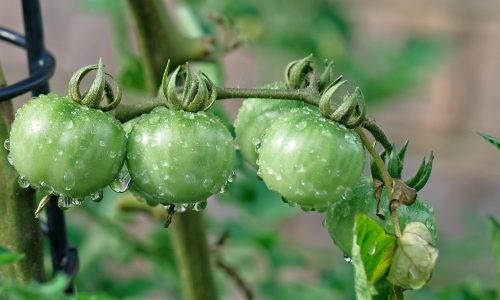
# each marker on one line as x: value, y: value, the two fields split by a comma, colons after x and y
x: 41, y: 67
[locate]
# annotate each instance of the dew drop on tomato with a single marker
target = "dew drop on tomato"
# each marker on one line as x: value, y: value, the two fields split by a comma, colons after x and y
x: 97, y: 196
x: 6, y: 144
x: 69, y: 180
x: 200, y: 206
x: 23, y: 182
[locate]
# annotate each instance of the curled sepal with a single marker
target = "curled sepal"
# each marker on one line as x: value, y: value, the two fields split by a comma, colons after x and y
x: 187, y: 90
x: 99, y: 88
x: 113, y: 100
x: 297, y: 73
x: 327, y: 77
x: 325, y: 102
x: 352, y: 112
x: 422, y: 176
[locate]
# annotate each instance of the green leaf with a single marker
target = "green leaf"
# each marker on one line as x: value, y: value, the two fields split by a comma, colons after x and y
x: 493, y: 140
x: 414, y: 259
x: 372, y: 252
x: 8, y: 257
x: 495, y: 240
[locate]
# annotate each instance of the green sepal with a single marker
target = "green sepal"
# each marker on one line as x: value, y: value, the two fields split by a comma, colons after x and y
x: 325, y: 102
x: 393, y: 164
x: 425, y: 176
x: 401, y: 157
x: 296, y: 72
x: 493, y: 140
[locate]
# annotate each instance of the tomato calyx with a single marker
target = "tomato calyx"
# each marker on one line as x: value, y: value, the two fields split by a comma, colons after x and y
x: 187, y: 90
x: 99, y: 88
x: 351, y: 112
x: 300, y: 73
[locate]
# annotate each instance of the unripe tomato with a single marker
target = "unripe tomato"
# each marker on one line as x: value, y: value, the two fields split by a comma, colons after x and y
x: 254, y: 117
x: 66, y: 148
x: 339, y: 219
x: 309, y: 160
x: 179, y: 157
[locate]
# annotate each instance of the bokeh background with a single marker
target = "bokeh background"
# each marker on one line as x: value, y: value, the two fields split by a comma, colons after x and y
x: 430, y: 72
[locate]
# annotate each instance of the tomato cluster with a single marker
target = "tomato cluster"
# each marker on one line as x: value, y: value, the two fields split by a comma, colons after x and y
x: 177, y: 157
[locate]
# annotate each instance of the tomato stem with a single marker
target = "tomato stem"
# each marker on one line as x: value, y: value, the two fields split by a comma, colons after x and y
x: 386, y: 177
x: 308, y: 95
x: 159, y: 38
x: 378, y: 134
x: 21, y: 232
x: 191, y: 250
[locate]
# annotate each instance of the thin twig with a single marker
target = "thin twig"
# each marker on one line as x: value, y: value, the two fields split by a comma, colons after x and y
x: 228, y: 269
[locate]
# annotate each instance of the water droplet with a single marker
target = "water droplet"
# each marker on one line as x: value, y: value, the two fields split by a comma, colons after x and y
x: 76, y: 201
x: 231, y: 177
x: 69, y: 180
x: 190, y: 116
x: 121, y: 184
x: 9, y: 159
x: 68, y: 124
x: 256, y: 141
x: 346, y: 195
x: 102, y: 143
x: 46, y: 187
x: 207, y: 182
x: 224, y: 187
x: 372, y: 250
x: 301, y: 125
x: 190, y: 179
x: 350, y: 138
x: 64, y: 202
x: 320, y: 194
x: 180, y: 208
x: 347, y: 258
x: 299, y: 168
x: 200, y: 206
x: 6, y: 144
x: 97, y: 196
x: 79, y: 164
x: 112, y: 154
x: 23, y: 182
x: 60, y: 152
x: 236, y: 146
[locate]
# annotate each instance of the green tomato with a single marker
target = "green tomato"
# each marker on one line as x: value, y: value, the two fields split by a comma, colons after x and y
x: 179, y: 157
x: 309, y: 160
x: 65, y: 148
x: 339, y: 219
x: 254, y: 117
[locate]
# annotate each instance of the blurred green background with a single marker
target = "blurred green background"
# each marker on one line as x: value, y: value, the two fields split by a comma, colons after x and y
x: 429, y: 72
